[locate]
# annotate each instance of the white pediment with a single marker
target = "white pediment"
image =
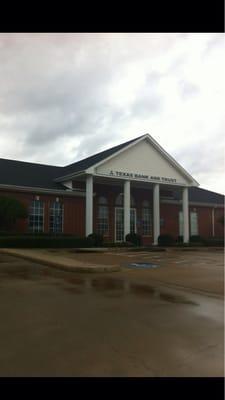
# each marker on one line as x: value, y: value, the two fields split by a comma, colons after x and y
x: 145, y: 160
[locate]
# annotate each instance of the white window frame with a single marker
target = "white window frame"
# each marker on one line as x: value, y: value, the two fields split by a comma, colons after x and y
x: 135, y: 223
x: 36, y: 200
x: 194, y: 229
x: 62, y: 231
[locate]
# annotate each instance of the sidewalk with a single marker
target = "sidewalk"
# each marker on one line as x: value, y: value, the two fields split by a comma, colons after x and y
x: 58, y: 261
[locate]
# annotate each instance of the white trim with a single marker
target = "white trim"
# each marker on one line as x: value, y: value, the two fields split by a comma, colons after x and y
x: 97, y: 174
x: 89, y: 206
x: 156, y: 213
x: 126, y: 205
x: 49, y: 213
x: 116, y: 241
x: 157, y: 147
x: 135, y: 226
x: 185, y: 209
x: 118, y: 152
x: 71, y: 175
x: 193, y: 203
x: 67, y: 192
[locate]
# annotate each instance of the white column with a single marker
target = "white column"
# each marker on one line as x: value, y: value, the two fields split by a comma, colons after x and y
x: 126, y: 208
x: 156, y: 213
x: 185, y: 216
x: 89, y: 205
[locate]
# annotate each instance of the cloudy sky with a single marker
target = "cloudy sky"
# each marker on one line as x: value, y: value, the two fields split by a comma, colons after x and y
x: 64, y: 97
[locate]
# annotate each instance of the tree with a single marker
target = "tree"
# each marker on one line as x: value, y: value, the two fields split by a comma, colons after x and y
x: 10, y: 210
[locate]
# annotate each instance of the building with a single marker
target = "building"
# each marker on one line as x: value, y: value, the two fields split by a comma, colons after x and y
x: 133, y: 187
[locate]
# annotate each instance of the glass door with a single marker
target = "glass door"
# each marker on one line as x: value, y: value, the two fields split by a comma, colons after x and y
x: 119, y: 223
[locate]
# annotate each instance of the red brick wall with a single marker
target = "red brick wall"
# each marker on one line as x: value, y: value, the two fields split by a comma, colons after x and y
x: 169, y: 213
x: 74, y: 212
x: 219, y: 228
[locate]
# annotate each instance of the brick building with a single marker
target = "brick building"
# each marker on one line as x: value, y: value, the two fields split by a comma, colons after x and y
x: 133, y: 187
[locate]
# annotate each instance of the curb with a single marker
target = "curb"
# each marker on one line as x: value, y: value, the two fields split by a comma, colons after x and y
x: 61, y: 266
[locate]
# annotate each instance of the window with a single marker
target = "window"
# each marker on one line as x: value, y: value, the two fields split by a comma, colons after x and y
x: 119, y: 200
x: 36, y: 216
x: 146, y: 219
x: 194, y: 223
x: 102, y: 216
x: 56, y: 217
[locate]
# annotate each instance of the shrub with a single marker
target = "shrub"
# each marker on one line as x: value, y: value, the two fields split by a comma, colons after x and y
x: 214, y: 241
x: 133, y: 238
x: 195, y: 239
x: 165, y: 240
x: 95, y: 239
x: 10, y: 210
x: 44, y: 242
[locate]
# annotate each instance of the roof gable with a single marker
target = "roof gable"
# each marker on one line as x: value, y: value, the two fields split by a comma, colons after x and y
x: 144, y: 157
x: 88, y: 162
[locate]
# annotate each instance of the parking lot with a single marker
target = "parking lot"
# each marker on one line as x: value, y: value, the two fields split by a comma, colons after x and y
x: 166, y: 321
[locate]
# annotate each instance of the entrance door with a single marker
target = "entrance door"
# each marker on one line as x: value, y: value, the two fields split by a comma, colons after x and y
x: 119, y: 223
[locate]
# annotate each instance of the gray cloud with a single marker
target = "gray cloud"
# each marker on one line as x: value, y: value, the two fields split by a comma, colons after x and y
x: 187, y: 89
x: 56, y: 99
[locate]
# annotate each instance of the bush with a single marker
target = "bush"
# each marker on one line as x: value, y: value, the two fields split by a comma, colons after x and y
x: 195, y: 239
x: 10, y: 211
x: 165, y: 240
x: 214, y: 242
x: 44, y: 242
x: 95, y: 239
x: 133, y: 238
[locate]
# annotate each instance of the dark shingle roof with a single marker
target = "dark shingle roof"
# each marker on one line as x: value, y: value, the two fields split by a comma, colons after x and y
x: 205, y: 196
x: 92, y: 160
x: 20, y: 173
x: 200, y: 195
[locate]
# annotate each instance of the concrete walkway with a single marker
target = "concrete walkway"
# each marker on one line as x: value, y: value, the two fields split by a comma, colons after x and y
x: 59, y: 261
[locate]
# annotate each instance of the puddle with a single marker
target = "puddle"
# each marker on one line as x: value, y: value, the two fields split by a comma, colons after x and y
x: 175, y: 299
x: 142, y: 265
x: 74, y: 290
x: 7, y: 260
x: 75, y: 280
x: 107, y: 284
x: 143, y: 290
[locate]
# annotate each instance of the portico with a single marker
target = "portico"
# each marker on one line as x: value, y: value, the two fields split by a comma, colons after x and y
x: 154, y: 198
x: 133, y: 187
x: 141, y: 163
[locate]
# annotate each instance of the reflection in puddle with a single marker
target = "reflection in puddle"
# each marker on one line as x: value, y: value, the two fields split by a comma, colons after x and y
x: 142, y: 265
x: 74, y: 290
x: 142, y: 289
x: 107, y: 284
x: 75, y: 280
x: 175, y: 299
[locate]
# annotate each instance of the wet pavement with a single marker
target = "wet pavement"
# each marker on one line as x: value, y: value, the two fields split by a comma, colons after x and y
x: 57, y: 323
